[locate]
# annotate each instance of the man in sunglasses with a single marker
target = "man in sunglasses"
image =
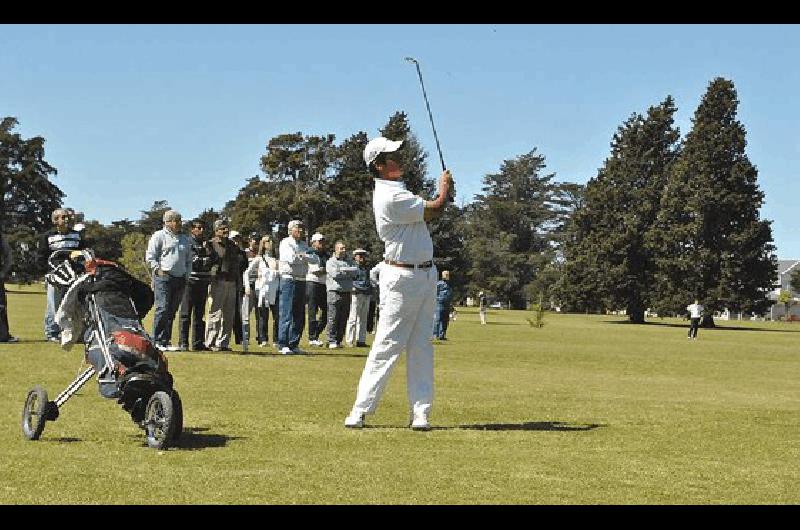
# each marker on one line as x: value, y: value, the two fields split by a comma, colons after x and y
x: 407, y: 286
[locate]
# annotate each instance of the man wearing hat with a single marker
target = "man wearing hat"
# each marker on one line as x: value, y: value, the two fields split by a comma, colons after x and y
x: 316, y: 293
x: 407, y: 286
x: 359, y: 308
x: 293, y: 258
x: 225, y: 273
x: 169, y: 255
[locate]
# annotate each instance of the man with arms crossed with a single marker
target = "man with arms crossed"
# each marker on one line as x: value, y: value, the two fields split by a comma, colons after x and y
x: 407, y: 287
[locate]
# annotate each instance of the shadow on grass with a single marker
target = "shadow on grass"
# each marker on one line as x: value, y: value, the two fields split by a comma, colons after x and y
x: 194, y: 438
x: 66, y: 439
x: 686, y: 326
x: 533, y: 426
x: 526, y: 426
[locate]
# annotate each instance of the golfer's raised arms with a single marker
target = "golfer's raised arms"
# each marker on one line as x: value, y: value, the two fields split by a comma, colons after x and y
x: 434, y: 208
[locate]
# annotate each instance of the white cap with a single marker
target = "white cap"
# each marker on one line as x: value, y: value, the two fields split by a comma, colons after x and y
x: 233, y: 234
x: 317, y: 237
x: 379, y: 145
x: 359, y: 251
x: 293, y: 223
x: 78, y: 227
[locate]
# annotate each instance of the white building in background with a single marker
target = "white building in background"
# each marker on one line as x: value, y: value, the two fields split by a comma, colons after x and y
x: 786, y: 267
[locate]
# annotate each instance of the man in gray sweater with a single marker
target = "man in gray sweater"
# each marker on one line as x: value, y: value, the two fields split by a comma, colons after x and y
x: 339, y: 283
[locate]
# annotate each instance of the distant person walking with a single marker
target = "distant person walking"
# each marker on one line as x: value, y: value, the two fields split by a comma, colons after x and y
x: 441, y: 316
x: 482, y: 306
x: 695, y: 314
x: 169, y: 256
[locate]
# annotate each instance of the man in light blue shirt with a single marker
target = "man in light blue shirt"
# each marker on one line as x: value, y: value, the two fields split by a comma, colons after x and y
x: 169, y: 256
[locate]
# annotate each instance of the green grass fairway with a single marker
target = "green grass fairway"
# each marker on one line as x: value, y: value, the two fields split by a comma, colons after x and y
x: 587, y: 410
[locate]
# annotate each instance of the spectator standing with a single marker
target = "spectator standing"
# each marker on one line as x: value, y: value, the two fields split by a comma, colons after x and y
x: 264, y: 290
x: 5, y: 267
x: 193, y: 305
x: 61, y: 237
x: 695, y: 314
x: 225, y: 270
x: 293, y: 258
x: 169, y: 256
x: 359, y: 308
x: 482, y: 305
x: 236, y: 237
x: 339, y: 284
x: 316, y: 292
x: 441, y: 315
x: 408, y: 286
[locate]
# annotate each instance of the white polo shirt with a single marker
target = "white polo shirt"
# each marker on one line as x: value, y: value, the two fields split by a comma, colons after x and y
x: 400, y: 223
x: 696, y: 310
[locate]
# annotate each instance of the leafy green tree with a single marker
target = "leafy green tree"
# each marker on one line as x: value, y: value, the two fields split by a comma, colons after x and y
x: 607, y: 256
x: 27, y: 197
x: 709, y: 239
x: 794, y: 281
x: 152, y: 220
x: 134, y: 247
x: 510, y: 228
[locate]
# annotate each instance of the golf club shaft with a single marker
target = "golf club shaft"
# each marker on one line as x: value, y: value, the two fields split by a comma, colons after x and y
x: 430, y: 116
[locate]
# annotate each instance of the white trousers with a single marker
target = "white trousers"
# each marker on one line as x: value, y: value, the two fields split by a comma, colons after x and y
x: 356, y: 330
x: 407, y: 301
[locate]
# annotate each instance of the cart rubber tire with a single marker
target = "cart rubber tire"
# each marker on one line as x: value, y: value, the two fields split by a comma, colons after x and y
x: 159, y: 420
x: 34, y: 413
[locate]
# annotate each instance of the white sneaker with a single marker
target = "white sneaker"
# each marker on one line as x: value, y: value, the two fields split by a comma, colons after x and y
x: 170, y: 347
x: 354, y: 421
x: 315, y: 342
x: 332, y: 346
x: 420, y: 423
x: 286, y: 350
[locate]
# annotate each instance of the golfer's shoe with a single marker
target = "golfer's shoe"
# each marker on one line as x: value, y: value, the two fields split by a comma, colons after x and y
x: 419, y: 422
x: 355, y: 420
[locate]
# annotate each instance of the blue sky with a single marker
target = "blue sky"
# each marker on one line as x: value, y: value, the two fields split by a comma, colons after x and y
x: 138, y: 113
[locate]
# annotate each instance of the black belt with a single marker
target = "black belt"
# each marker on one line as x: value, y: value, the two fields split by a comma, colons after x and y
x: 426, y: 265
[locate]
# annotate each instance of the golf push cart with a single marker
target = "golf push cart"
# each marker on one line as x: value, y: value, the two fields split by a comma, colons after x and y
x: 103, y: 307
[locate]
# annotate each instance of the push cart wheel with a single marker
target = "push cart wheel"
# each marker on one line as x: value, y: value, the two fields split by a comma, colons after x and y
x: 34, y: 413
x: 159, y: 420
x: 177, y: 413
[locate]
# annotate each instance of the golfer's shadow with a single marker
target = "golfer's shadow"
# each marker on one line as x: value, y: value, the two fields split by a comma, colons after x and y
x: 533, y: 426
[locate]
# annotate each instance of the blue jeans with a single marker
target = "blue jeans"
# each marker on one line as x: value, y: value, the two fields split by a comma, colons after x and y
x: 54, y: 296
x: 168, y: 292
x: 441, y: 317
x: 292, y: 307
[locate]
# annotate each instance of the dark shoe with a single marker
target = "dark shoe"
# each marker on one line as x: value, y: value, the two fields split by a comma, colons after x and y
x: 361, y: 344
x: 183, y: 347
x: 10, y: 339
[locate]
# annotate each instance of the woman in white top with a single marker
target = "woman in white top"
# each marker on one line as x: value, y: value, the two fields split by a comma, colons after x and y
x: 265, y: 268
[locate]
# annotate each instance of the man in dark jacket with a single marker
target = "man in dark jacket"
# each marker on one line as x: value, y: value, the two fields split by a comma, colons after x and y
x: 61, y: 237
x: 225, y: 274
x: 441, y: 315
x: 193, y: 305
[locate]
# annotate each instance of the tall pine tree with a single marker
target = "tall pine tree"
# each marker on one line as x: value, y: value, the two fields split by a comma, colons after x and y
x: 709, y: 240
x: 608, y: 261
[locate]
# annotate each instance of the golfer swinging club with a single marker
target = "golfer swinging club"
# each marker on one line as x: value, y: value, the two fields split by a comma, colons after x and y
x: 407, y: 286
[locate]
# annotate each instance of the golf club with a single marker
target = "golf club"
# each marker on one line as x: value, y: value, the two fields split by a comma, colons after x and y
x: 430, y: 115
